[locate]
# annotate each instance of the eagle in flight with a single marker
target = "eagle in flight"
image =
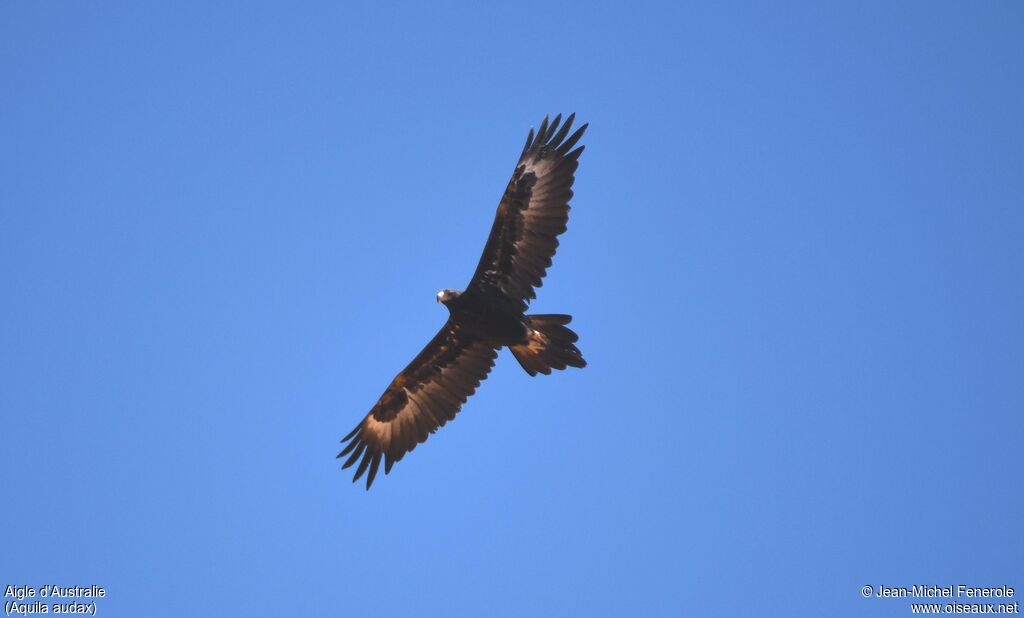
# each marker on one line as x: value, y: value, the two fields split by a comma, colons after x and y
x: 489, y: 314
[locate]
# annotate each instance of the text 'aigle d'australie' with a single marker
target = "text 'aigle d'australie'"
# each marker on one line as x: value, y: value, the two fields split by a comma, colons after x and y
x: 51, y: 598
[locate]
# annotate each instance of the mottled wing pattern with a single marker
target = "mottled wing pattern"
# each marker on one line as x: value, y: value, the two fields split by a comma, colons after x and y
x: 533, y: 211
x: 424, y: 396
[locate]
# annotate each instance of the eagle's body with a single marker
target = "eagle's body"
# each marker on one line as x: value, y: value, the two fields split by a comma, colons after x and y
x: 489, y: 314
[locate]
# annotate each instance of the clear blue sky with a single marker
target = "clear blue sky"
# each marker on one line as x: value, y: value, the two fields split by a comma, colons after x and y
x: 795, y: 261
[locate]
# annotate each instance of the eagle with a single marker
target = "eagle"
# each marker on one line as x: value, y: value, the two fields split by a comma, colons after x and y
x: 489, y: 314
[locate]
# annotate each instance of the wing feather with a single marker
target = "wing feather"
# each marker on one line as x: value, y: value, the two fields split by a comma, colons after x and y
x: 422, y: 397
x: 533, y: 211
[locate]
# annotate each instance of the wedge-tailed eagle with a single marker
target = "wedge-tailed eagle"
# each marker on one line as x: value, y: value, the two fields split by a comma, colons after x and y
x: 489, y: 314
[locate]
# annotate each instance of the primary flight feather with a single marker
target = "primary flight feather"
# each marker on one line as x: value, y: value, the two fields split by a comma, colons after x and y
x: 489, y: 314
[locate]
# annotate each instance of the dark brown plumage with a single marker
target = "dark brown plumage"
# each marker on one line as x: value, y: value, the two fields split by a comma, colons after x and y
x: 489, y: 314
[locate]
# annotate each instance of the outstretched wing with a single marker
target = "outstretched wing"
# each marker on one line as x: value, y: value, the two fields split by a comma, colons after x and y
x: 424, y: 396
x: 532, y: 213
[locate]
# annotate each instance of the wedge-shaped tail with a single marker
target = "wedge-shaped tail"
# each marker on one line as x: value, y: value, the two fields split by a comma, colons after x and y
x: 551, y: 345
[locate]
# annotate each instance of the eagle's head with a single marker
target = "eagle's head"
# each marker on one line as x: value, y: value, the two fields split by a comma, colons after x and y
x: 446, y: 296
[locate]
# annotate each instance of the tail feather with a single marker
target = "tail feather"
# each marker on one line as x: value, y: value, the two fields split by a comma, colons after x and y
x: 550, y: 345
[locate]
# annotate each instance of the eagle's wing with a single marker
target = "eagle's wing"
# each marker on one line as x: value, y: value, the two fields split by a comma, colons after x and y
x: 424, y: 396
x: 532, y: 213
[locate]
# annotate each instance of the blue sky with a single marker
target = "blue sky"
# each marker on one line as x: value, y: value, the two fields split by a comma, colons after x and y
x: 794, y: 261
